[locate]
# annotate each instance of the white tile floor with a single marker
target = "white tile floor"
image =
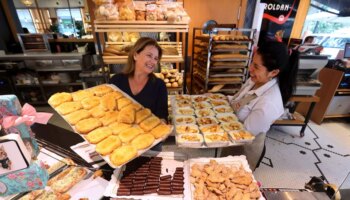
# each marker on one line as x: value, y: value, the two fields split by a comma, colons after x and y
x: 289, y: 160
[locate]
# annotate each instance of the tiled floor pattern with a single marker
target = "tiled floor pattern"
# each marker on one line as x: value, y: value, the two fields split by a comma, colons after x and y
x: 290, y: 160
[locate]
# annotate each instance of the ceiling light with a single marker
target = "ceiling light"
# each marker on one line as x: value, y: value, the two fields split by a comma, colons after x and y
x: 27, y: 2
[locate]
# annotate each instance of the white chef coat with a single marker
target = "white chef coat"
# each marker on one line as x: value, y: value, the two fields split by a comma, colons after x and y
x: 260, y: 113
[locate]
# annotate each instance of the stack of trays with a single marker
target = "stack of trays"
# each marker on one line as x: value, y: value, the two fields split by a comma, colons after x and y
x: 203, y: 121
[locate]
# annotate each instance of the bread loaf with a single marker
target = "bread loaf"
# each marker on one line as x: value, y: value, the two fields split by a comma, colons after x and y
x: 59, y: 98
x: 98, y: 134
x: 122, y: 155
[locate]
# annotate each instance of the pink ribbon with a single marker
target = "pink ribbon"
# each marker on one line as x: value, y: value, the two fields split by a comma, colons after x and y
x: 29, y: 116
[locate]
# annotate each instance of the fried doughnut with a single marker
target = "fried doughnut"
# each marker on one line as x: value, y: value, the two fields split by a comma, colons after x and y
x: 97, y: 112
x: 86, y: 125
x: 122, y: 102
x: 123, y: 155
x: 59, y: 98
x: 128, y: 134
x: 107, y: 145
x: 76, y: 116
x: 127, y: 115
x: 98, y: 134
x: 118, y: 127
x: 90, y: 102
x: 68, y: 107
x: 143, y: 141
x: 160, y: 130
x: 142, y: 114
x: 101, y: 90
x: 109, y: 102
x: 109, y: 117
x: 149, y: 123
x: 81, y: 94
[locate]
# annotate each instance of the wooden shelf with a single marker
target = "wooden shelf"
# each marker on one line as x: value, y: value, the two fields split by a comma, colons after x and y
x: 140, y: 26
x: 62, y: 84
x: 71, y: 40
x: 298, y: 120
x: 28, y: 86
x: 336, y: 116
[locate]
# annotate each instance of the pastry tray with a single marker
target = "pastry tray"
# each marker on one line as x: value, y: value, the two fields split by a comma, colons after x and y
x: 139, y: 152
x: 170, y: 161
x: 229, y: 161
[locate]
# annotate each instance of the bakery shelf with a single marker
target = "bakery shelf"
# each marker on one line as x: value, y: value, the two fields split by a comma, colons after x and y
x: 165, y: 58
x: 62, y: 84
x: 27, y: 85
x: 140, y: 26
x: 229, y: 50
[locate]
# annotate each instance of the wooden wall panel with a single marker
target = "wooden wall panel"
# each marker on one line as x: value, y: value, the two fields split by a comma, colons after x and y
x: 222, y: 11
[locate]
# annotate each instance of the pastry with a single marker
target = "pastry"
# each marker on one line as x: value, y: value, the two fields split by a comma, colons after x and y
x: 81, y: 94
x: 98, y: 134
x: 160, y: 130
x: 109, y: 118
x: 97, y: 111
x: 76, y: 116
x: 86, y: 125
x: 122, y: 102
x: 128, y: 134
x: 142, y: 114
x: 68, y: 107
x: 107, y: 145
x: 90, y: 102
x: 149, y: 123
x: 67, y: 179
x: 143, y: 141
x: 108, y: 102
x: 123, y: 155
x: 101, y: 90
x: 135, y: 106
x: 118, y: 127
x: 127, y: 115
x: 59, y: 98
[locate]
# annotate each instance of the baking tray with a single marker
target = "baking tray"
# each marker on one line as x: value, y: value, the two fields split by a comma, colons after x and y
x: 170, y: 161
x: 139, y: 152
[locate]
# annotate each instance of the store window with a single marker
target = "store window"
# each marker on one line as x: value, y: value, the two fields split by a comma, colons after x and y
x: 329, y: 25
x: 26, y: 19
x: 69, y: 20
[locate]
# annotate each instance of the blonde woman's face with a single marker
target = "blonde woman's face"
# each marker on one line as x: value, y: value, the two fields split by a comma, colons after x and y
x: 146, y: 61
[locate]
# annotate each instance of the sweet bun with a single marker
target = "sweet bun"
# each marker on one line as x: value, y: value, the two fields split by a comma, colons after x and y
x: 118, y: 127
x: 98, y: 134
x: 129, y: 134
x: 76, y: 116
x: 109, y: 118
x: 81, y: 94
x: 101, y: 90
x: 68, y: 107
x: 149, y: 123
x: 143, y: 141
x: 90, y: 102
x: 127, y: 115
x: 109, y: 102
x: 107, y: 145
x: 123, y: 155
x: 160, y: 131
x: 86, y: 125
x: 142, y: 114
x: 97, y: 111
x: 59, y: 98
x: 122, y: 102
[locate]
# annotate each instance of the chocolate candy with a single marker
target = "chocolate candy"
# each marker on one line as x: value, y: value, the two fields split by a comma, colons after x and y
x: 177, y: 187
x: 177, y: 191
x: 150, y: 187
x: 152, y: 183
x: 164, y: 192
x: 166, y: 177
x: 137, y: 192
x: 119, y: 193
x: 150, y: 191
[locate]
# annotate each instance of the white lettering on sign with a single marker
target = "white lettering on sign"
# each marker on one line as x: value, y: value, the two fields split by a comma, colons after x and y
x: 280, y: 7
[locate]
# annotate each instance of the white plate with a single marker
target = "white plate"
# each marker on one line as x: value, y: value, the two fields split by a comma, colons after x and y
x: 232, y: 126
x: 184, y: 119
x: 202, y: 121
x: 187, y: 129
x: 226, y: 117
x: 206, y: 112
x: 185, y: 143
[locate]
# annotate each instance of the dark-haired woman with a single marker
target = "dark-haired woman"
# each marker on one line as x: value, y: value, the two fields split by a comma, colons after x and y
x: 261, y: 99
x: 139, y: 82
